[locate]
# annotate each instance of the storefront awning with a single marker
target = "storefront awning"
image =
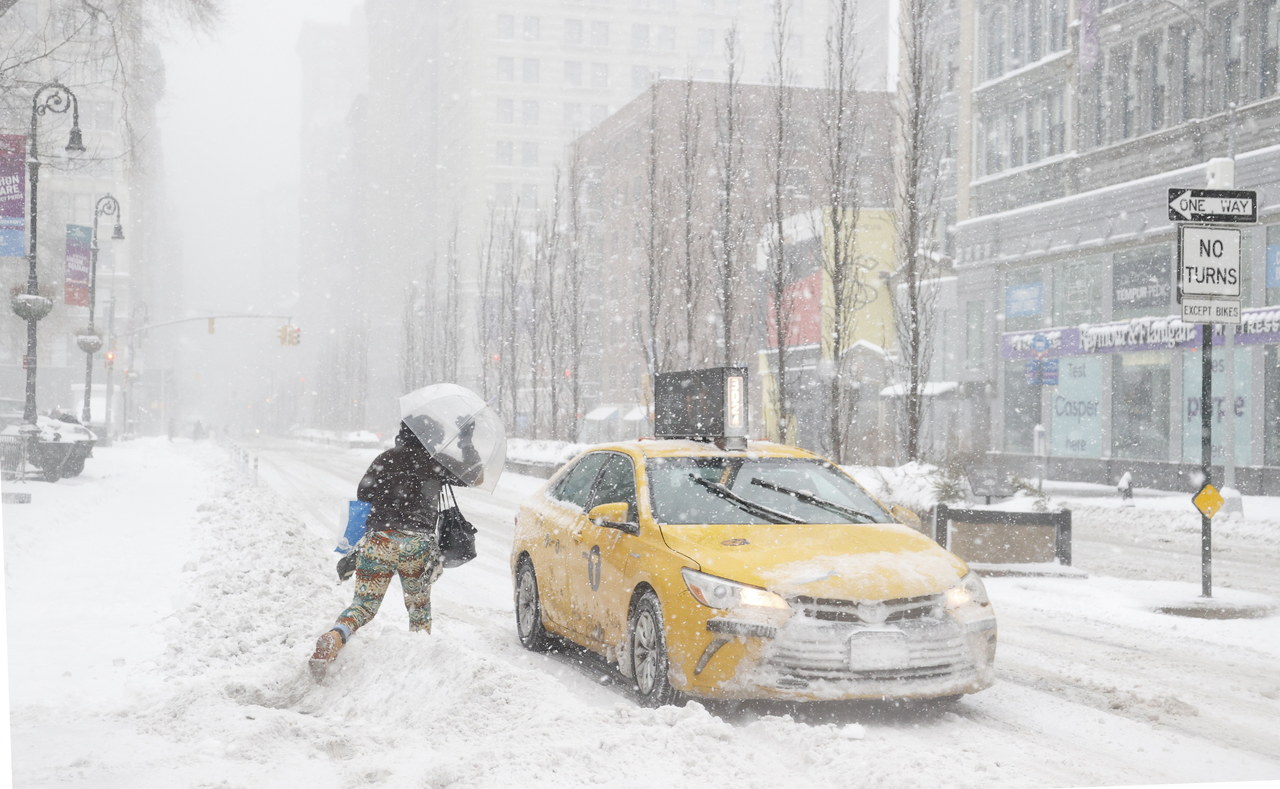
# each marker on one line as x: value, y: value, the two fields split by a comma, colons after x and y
x: 931, y: 389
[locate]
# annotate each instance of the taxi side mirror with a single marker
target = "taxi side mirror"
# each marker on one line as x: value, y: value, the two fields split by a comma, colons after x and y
x: 907, y: 517
x: 614, y: 516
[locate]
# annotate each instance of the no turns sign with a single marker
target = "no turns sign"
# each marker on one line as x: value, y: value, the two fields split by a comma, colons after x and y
x: 1208, y: 261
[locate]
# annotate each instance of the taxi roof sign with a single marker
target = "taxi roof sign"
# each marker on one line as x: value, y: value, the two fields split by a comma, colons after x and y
x: 704, y: 405
x: 1208, y: 500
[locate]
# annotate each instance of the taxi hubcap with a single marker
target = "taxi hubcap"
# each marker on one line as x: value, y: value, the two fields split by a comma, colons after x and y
x: 645, y: 650
x: 527, y: 602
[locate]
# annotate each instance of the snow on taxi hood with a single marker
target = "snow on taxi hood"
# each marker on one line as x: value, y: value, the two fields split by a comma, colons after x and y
x: 842, y: 561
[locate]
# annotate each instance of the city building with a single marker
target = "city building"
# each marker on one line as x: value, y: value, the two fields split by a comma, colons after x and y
x: 1084, y: 115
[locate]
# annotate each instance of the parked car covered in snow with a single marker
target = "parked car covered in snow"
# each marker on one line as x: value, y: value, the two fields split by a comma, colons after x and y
x: 61, y: 448
x: 763, y: 572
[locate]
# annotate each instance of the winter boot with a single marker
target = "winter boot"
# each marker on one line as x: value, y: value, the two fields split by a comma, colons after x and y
x: 327, y: 648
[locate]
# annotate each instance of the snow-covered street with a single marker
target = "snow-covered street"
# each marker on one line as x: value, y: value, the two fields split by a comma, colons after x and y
x: 161, y: 608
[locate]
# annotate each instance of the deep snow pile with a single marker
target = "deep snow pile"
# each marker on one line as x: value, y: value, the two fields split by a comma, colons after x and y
x: 162, y: 607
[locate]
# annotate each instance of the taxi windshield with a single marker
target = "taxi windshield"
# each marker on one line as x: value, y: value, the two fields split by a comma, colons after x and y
x: 739, y: 490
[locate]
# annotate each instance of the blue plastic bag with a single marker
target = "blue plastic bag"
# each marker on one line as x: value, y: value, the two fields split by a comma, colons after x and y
x: 357, y: 516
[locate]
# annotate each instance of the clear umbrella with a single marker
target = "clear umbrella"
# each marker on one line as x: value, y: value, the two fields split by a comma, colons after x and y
x: 460, y: 431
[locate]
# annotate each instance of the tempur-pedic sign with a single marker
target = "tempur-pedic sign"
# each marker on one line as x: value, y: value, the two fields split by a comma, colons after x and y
x: 1209, y: 273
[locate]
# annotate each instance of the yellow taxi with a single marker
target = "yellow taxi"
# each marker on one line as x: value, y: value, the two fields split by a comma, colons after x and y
x: 759, y: 572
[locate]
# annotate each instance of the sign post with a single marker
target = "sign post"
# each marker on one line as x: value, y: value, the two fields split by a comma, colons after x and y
x: 1209, y: 291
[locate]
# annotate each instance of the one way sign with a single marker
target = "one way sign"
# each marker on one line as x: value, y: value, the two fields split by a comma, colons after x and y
x: 1213, y: 205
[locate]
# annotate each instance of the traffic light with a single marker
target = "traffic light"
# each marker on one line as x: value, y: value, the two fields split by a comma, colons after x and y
x: 295, y: 335
x: 110, y: 358
x: 283, y: 334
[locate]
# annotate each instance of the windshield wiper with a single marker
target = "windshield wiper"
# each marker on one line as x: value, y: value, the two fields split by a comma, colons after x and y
x: 747, y: 505
x: 809, y: 498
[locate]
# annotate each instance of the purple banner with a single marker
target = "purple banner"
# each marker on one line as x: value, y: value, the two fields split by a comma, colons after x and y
x: 13, y: 195
x: 1162, y: 333
x: 76, y: 289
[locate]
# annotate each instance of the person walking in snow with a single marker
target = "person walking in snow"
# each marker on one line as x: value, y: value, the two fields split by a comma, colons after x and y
x: 403, y: 487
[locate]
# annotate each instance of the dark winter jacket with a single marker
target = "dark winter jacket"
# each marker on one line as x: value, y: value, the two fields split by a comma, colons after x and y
x: 403, y: 486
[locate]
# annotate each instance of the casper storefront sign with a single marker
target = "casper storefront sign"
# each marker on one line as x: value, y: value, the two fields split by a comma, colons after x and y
x: 1077, y: 408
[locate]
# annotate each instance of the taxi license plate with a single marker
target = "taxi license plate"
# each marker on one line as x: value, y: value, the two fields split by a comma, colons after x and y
x: 878, y: 650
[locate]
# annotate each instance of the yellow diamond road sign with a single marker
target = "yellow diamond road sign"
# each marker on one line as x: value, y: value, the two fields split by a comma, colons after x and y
x: 1208, y: 501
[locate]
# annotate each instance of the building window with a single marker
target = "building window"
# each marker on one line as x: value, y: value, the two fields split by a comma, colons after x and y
x: 532, y: 28
x: 1015, y: 135
x: 573, y: 115
x: 1035, y: 131
x: 530, y: 70
x: 1184, y: 67
x: 1268, y: 27
x: 506, y: 26
x: 573, y: 31
x: 667, y: 38
x: 598, y: 113
x: 506, y: 69
x: 993, y: 38
x: 640, y: 36
x: 1021, y: 407
x: 506, y: 111
x: 706, y: 39
x: 1120, y: 93
x: 529, y: 195
x: 573, y: 72
x: 1224, y: 58
x: 529, y: 113
x: 1273, y: 266
x: 1078, y: 291
x: 503, y: 192
x: 599, y: 75
x: 1271, y: 407
x: 1141, y: 282
x: 1057, y: 25
x: 600, y: 34
x: 1140, y: 405
x: 505, y: 152
x: 975, y: 335
x: 529, y: 154
x: 1055, y: 124
x: 639, y: 77
x: 1151, y: 81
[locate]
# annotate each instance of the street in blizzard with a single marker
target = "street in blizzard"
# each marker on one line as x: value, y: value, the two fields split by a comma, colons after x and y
x: 857, y: 391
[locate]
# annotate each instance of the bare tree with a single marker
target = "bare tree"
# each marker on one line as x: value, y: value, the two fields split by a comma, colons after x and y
x: 451, y: 324
x: 778, y: 156
x: 571, y: 306
x: 917, y: 191
x: 690, y: 123
x: 845, y: 270
x: 729, y: 221
x: 652, y: 226
x: 489, y: 315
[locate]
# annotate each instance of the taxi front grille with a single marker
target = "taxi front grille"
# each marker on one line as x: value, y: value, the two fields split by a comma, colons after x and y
x: 934, y: 651
x: 869, y: 612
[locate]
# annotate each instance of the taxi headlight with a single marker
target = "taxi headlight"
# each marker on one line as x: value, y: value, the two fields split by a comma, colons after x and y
x: 725, y: 594
x: 969, y: 590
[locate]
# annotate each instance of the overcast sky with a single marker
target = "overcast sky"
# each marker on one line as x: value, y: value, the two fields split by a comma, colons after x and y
x: 229, y: 122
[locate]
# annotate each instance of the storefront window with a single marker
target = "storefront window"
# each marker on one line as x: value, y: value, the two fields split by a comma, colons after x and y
x: 1077, y: 408
x: 1273, y: 265
x: 1077, y: 291
x: 1021, y: 407
x: 1238, y: 406
x: 1142, y: 282
x: 1271, y: 406
x: 1024, y: 299
x: 1140, y: 405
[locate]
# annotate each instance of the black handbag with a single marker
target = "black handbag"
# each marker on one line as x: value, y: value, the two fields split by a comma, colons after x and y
x: 454, y: 533
x: 347, y: 565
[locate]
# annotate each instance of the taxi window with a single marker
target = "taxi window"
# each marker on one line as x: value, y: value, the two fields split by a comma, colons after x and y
x: 740, y: 490
x: 576, y: 485
x: 617, y: 483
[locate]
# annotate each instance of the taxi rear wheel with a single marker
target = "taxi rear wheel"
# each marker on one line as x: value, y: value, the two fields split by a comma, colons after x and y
x: 529, y: 611
x: 650, y: 665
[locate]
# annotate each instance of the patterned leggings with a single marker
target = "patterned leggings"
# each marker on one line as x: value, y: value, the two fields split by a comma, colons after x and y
x: 414, y: 556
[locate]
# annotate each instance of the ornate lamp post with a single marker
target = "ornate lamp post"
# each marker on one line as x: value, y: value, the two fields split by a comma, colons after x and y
x: 31, y: 306
x: 90, y: 342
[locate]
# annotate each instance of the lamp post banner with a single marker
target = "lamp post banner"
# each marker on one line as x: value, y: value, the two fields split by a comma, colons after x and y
x: 13, y: 195
x: 76, y: 289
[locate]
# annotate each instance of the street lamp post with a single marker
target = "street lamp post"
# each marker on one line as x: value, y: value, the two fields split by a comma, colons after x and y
x: 50, y: 97
x: 90, y: 342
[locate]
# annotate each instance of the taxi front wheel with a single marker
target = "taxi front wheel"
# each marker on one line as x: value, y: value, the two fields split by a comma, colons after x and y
x: 648, y: 648
x: 529, y: 611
